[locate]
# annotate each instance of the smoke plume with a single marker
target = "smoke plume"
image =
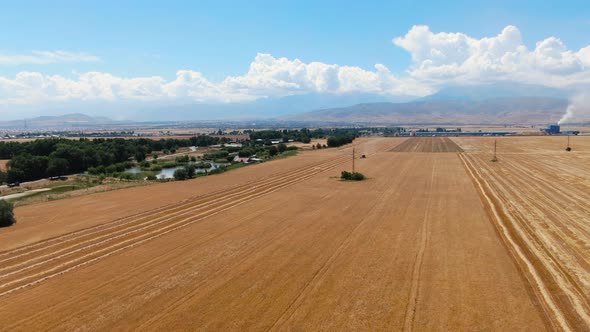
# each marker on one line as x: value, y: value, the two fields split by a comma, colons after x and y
x: 578, y: 110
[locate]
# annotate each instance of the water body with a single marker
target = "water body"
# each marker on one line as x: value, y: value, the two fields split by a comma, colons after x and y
x: 168, y: 173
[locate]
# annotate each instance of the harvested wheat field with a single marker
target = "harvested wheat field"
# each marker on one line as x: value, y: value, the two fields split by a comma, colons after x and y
x: 539, y: 196
x: 431, y: 241
x: 427, y: 144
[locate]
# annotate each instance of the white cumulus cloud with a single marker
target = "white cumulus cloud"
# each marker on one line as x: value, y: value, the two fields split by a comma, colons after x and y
x: 444, y: 57
x: 267, y: 77
x: 438, y: 59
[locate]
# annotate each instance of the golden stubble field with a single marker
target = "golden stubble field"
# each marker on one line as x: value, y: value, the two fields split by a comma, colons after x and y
x: 433, y: 240
x: 539, y: 198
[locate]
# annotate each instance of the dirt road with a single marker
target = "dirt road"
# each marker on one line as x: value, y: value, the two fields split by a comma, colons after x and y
x: 281, y: 245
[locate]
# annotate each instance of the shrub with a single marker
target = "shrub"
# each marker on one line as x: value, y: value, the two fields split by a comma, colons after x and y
x: 110, y: 169
x: 281, y: 147
x: 216, y: 155
x: 169, y: 164
x: 202, y: 165
x: 182, y: 159
x: 6, y: 214
x: 217, y: 171
x: 126, y: 176
x: 356, y: 176
x: 245, y: 153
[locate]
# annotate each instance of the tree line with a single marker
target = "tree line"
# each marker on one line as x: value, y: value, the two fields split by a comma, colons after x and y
x: 55, y: 157
x: 301, y: 135
x: 341, y: 139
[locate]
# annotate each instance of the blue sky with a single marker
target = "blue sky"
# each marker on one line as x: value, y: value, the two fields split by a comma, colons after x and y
x: 221, y: 39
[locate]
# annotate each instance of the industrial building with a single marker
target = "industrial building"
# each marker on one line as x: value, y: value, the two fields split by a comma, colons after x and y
x: 553, y: 129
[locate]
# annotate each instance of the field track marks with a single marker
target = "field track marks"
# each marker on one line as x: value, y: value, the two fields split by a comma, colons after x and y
x: 321, y: 271
x: 93, y: 244
x: 152, y: 262
x: 417, y: 270
x: 543, y: 213
x: 316, y: 280
x: 427, y: 144
x: 150, y: 214
x: 28, y: 249
x: 154, y: 220
x: 555, y: 313
x: 88, y: 258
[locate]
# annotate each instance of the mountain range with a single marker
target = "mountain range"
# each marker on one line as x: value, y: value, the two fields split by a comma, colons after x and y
x: 498, y: 103
x: 501, y: 110
x: 75, y: 120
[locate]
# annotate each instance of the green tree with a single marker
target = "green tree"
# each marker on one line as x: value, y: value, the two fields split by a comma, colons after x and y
x: 190, y: 171
x: 281, y: 147
x: 6, y: 213
x: 180, y: 174
x: 273, y: 151
x: 139, y: 156
x: 15, y: 175
x: 57, y: 166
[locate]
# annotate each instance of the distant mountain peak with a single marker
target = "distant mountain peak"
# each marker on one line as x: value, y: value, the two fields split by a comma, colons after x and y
x: 495, y: 90
x: 58, y: 121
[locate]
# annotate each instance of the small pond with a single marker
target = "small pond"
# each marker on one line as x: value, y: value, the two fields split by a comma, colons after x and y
x: 168, y: 173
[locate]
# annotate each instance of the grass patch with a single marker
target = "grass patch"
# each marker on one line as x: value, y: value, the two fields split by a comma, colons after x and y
x: 54, y: 190
x: 289, y: 153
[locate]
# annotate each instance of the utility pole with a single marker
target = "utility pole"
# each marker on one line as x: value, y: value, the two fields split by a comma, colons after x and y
x: 568, y: 148
x: 495, y: 146
x: 353, y: 159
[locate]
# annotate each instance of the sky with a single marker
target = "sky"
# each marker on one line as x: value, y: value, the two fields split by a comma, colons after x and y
x: 78, y: 53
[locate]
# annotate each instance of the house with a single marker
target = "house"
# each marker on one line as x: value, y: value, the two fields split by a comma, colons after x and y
x: 247, y: 160
x: 239, y: 159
